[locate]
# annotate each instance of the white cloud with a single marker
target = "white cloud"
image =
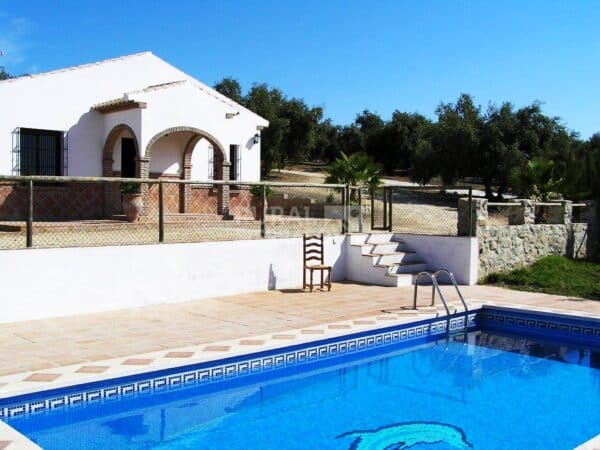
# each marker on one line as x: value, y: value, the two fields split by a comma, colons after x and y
x: 13, y: 40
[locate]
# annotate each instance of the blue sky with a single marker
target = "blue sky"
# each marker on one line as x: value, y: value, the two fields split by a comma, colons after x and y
x: 343, y: 55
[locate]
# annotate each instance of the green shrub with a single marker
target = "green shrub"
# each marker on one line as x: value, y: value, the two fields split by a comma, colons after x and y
x: 130, y: 188
x: 257, y: 191
x: 554, y: 275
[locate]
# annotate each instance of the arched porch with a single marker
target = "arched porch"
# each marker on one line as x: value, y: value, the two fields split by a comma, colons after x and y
x: 120, y: 158
x: 171, y: 154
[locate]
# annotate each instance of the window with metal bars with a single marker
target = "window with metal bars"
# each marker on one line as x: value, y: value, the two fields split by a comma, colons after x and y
x: 40, y: 152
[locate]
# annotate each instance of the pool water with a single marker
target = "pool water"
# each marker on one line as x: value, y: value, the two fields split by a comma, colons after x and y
x: 494, y: 392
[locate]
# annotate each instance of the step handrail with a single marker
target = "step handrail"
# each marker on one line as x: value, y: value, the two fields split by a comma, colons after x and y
x: 435, y: 287
x: 453, y: 281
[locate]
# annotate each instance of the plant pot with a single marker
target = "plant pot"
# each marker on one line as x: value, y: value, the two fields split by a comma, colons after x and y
x: 132, y: 206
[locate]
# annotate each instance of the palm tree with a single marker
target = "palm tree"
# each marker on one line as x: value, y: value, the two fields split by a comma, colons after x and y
x: 536, y: 180
x: 356, y: 170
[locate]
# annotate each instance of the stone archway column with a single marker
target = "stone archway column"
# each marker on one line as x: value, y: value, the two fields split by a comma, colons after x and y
x: 223, y: 189
x: 108, y: 188
x: 143, y: 171
x: 186, y: 190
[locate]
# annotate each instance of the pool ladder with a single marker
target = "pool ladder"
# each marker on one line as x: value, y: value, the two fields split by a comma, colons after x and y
x: 435, y: 287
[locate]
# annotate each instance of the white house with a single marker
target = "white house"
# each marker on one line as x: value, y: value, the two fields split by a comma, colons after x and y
x: 133, y: 116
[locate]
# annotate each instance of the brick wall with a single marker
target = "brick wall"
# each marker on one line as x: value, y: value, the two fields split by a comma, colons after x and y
x: 72, y: 201
x: 54, y: 202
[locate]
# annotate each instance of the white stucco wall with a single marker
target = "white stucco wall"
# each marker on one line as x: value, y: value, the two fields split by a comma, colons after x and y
x: 61, y: 101
x: 166, y: 156
x: 186, y: 105
x: 58, y: 282
x: 200, y: 158
x: 459, y: 255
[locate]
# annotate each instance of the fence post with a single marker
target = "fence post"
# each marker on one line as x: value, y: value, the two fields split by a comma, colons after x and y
x: 344, y: 208
x: 263, y: 210
x: 372, y: 192
x: 390, y: 211
x: 29, y: 227
x: 161, y: 213
x: 385, y: 208
x: 470, y: 212
x: 360, y: 216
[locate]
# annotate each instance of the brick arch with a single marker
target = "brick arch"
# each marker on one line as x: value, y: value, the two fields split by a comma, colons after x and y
x: 221, y: 162
x: 111, y: 190
x: 109, y: 144
x: 198, y: 133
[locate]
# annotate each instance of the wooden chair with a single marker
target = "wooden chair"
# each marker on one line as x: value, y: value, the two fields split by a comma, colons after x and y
x: 313, y: 251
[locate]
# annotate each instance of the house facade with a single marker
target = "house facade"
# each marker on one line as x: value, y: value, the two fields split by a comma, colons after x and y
x: 133, y: 116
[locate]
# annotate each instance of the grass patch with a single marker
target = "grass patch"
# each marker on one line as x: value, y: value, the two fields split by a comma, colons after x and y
x: 554, y: 275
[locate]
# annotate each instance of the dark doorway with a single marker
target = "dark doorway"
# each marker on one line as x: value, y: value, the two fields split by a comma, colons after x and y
x: 127, y: 158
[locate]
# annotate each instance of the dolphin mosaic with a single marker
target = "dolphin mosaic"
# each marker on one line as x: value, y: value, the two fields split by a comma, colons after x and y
x: 400, y: 436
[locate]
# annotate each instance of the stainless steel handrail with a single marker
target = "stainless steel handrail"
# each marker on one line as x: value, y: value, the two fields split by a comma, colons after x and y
x: 453, y: 280
x: 435, y: 287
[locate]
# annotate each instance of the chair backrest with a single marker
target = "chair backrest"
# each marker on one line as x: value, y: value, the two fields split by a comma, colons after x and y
x: 313, y: 249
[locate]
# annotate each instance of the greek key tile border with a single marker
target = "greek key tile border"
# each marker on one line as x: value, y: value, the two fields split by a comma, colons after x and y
x: 220, y: 371
x: 585, y: 331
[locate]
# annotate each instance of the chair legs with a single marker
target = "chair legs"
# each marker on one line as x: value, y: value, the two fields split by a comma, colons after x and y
x: 322, y: 283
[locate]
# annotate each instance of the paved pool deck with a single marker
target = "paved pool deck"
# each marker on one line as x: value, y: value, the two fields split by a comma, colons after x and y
x: 45, y: 344
x: 58, y: 352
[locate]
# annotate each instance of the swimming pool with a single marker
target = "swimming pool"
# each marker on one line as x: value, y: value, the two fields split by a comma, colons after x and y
x: 496, y: 389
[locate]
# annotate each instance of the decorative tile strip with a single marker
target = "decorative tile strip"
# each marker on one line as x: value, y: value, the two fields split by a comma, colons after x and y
x: 551, y: 326
x: 215, y: 371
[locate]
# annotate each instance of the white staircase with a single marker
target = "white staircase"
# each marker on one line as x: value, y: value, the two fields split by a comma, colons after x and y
x: 382, y: 259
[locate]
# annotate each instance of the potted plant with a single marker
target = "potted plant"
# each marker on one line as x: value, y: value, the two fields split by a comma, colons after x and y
x: 131, y: 200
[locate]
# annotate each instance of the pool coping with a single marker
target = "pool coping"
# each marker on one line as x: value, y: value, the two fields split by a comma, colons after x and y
x: 14, y: 385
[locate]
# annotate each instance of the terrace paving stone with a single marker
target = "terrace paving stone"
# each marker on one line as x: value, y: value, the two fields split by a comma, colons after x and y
x: 92, y: 369
x: 179, y: 355
x: 137, y: 362
x: 38, y: 345
x: 42, y: 377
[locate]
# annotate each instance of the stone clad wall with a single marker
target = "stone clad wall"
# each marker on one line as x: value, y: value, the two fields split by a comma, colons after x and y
x: 522, y: 242
x: 503, y: 248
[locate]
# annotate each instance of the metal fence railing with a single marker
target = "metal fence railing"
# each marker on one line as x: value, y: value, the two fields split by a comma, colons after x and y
x: 80, y: 211
x: 83, y: 211
x: 541, y: 213
x: 431, y: 210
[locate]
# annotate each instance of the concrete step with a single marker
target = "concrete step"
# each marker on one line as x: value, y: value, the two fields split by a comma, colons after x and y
x: 410, y: 267
x: 401, y: 279
x: 394, y: 258
x: 381, y: 249
x: 379, y: 238
x: 370, y: 238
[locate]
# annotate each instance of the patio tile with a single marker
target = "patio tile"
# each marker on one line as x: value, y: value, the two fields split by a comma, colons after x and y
x: 42, y: 377
x: 252, y: 342
x: 283, y: 336
x: 312, y: 331
x: 92, y: 369
x: 179, y: 355
x: 217, y: 348
x: 137, y: 362
x: 41, y: 345
x: 4, y: 444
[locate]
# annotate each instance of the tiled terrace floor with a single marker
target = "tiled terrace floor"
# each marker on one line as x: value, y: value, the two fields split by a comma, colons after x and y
x: 43, y: 344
